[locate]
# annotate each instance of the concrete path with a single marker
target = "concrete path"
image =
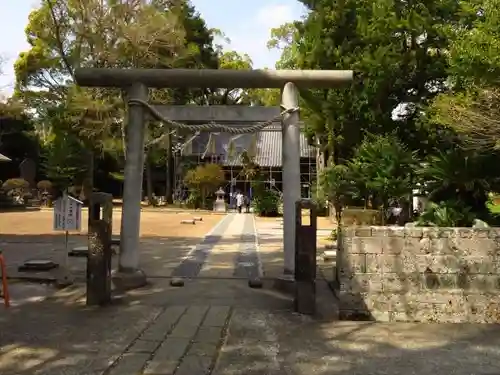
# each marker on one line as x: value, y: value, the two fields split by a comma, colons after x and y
x: 217, y: 325
x: 229, y: 250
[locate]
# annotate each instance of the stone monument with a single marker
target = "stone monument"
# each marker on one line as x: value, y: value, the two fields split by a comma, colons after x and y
x: 27, y: 170
x: 220, y: 203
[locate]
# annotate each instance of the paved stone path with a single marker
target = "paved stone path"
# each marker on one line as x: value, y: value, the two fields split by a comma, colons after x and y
x: 193, y: 263
x: 217, y: 325
x: 181, y: 340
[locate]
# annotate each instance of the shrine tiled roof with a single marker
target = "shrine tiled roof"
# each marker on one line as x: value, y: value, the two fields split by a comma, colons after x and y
x: 269, y: 146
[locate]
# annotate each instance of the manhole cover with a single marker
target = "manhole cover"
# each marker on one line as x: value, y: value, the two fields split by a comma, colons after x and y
x: 38, y: 265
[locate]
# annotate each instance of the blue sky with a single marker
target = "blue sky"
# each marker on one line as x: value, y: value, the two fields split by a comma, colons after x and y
x: 246, y: 23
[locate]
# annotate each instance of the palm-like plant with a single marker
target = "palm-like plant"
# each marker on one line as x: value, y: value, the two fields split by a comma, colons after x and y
x: 461, y: 175
x: 446, y: 214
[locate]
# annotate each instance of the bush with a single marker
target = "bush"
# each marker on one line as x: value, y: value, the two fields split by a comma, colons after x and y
x: 447, y: 214
x: 15, y: 184
x: 320, y: 200
x: 266, y: 203
x: 44, y: 185
x: 204, y: 179
x: 13, y: 193
x: 465, y: 175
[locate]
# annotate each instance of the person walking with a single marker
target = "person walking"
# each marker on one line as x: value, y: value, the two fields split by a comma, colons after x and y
x: 240, y: 200
x: 247, y: 204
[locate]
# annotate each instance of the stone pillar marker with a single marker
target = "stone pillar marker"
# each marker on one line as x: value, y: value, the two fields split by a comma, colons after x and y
x: 291, y: 172
x: 305, y: 258
x: 129, y: 276
x: 99, y: 251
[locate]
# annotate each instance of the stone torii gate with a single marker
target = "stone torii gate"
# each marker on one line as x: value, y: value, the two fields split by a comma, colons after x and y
x: 136, y: 83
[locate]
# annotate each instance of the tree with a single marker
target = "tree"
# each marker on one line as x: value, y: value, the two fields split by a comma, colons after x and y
x: 65, y: 161
x: 397, y: 50
x: 382, y: 168
x: 200, y: 53
x: 64, y: 35
x: 229, y: 60
x: 17, y: 138
x: 205, y: 179
x: 474, y: 114
x: 471, y: 105
x: 337, y: 187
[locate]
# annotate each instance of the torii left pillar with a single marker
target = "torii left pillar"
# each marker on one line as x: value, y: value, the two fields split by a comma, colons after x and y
x: 129, y: 275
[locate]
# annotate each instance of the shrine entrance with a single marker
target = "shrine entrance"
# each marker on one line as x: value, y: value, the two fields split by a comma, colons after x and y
x: 233, y: 120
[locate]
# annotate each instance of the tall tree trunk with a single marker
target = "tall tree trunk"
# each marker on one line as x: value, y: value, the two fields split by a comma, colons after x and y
x: 169, y: 187
x: 149, y: 179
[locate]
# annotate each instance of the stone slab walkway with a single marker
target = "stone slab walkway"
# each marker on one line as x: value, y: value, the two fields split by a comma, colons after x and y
x: 217, y: 325
x: 228, y: 251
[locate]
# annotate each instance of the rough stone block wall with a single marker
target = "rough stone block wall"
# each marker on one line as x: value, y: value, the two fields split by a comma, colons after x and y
x: 419, y: 274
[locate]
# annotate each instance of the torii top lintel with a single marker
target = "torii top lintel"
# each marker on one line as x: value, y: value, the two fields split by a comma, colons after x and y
x: 212, y: 78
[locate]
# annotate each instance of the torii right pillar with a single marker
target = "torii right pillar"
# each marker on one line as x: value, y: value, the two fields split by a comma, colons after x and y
x: 291, y: 173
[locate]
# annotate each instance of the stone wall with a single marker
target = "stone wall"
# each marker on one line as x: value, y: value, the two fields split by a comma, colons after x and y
x: 419, y: 274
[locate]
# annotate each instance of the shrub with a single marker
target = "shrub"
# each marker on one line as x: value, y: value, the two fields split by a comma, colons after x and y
x: 266, y: 203
x: 205, y: 179
x: 16, y: 188
x: 450, y: 213
x: 44, y: 185
x: 15, y: 183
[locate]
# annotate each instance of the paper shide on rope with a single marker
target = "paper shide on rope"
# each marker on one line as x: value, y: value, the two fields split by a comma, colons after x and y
x: 216, y: 130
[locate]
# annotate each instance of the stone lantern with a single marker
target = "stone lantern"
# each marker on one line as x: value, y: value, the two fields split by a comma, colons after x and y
x: 220, y: 203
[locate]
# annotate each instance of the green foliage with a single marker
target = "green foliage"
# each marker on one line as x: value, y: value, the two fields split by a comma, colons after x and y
x: 17, y: 138
x: 205, y: 179
x: 117, y: 176
x: 193, y: 200
x: 250, y: 169
x: 451, y: 213
x: 337, y: 184
x: 333, y: 235
x: 18, y: 191
x: 463, y: 175
x: 66, y: 161
x: 319, y: 198
x: 474, y: 50
x: 396, y: 50
x: 382, y: 169
x: 64, y: 35
x: 470, y: 105
x: 265, y: 202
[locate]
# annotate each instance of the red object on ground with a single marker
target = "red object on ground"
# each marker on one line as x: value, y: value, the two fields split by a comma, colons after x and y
x: 5, y: 287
